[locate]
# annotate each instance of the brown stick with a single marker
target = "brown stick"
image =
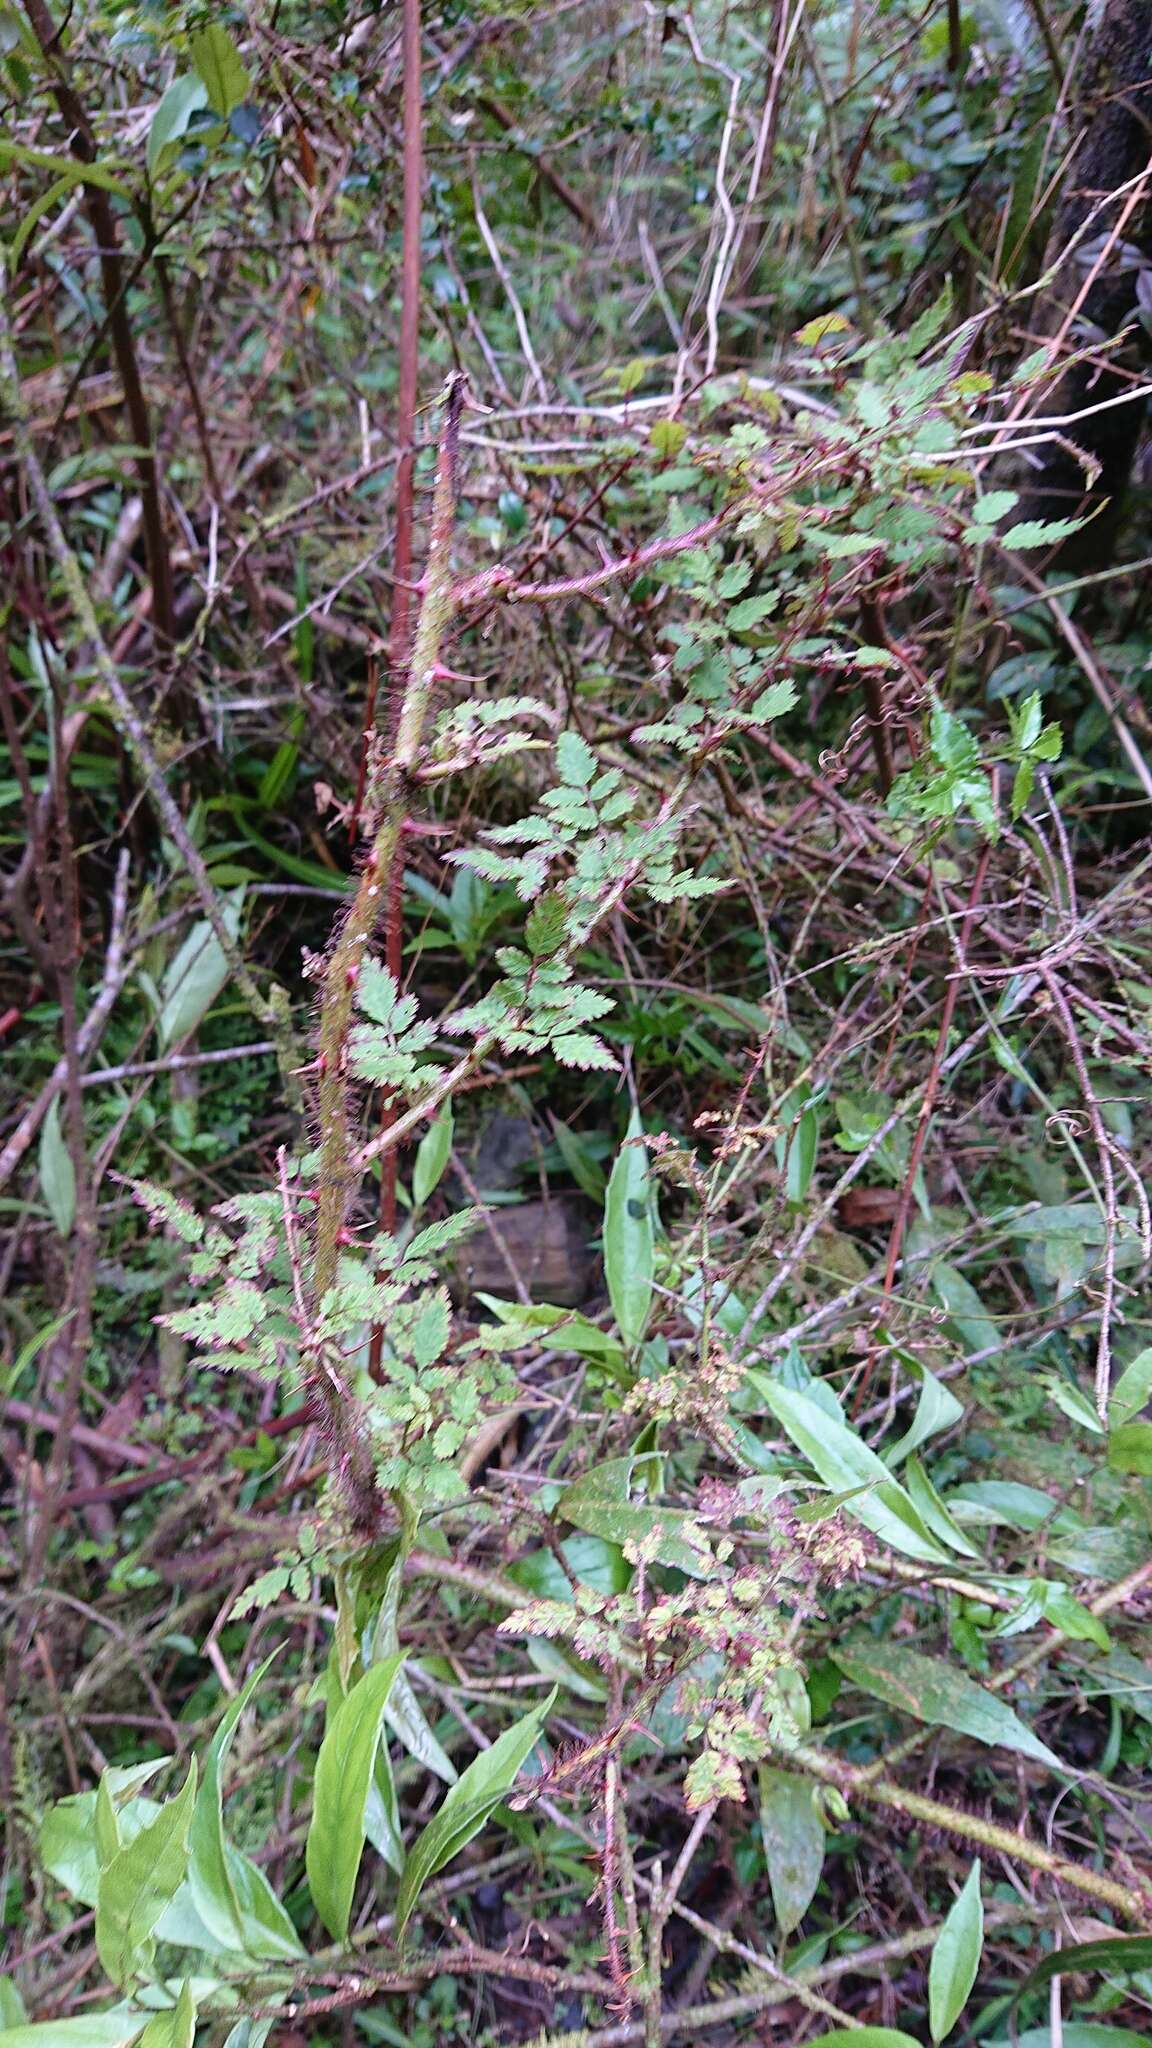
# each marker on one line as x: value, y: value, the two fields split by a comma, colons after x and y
x: 82, y: 143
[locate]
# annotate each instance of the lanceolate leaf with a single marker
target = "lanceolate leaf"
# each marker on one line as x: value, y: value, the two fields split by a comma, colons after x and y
x: 956, y: 1957
x: 117, y: 2029
x: 1073, y: 2034
x: 138, y: 1881
x: 1132, y: 1390
x: 57, y: 1173
x: 432, y: 1156
x: 600, y: 1503
x: 184, y: 98
x: 1113, y: 1955
x: 344, y: 1779
x: 467, y: 1805
x: 196, y: 974
x: 793, y: 1837
x: 865, y: 2037
x: 629, y: 1236
x: 231, y: 1894
x: 175, y: 2028
x: 940, y: 1694
x: 845, y: 1464
x: 219, y: 64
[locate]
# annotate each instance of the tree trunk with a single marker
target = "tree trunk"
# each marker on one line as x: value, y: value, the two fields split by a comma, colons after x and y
x: 1099, y: 266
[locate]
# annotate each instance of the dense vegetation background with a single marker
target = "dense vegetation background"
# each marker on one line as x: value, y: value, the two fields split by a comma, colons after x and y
x: 576, y: 1001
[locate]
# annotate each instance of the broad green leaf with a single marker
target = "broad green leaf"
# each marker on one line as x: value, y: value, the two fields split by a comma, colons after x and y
x: 793, y: 1836
x: 938, y: 1693
x: 937, y: 1409
x: 629, y: 1236
x: 106, y: 1825
x: 932, y: 1511
x: 69, y: 1845
x: 344, y: 1777
x: 1130, y: 1448
x: 183, y: 99
x: 403, y: 1713
x: 57, y: 1173
x: 221, y: 68
x: 1100, y: 1553
x: 556, y: 1661
x: 231, y: 1894
x: 864, y: 2037
x: 467, y: 1805
x: 966, y: 1312
x: 600, y: 1503
x: 591, y: 1560
x: 1132, y: 1391
x: 115, y: 2029
x: 520, y: 1325
x: 956, y: 1957
x: 249, y: 2034
x: 138, y: 1882
x: 1073, y: 1403
x: 175, y: 2028
x: 12, y: 2013
x: 1121, y: 1676
x: 196, y: 974
x: 802, y: 1154
x: 845, y: 1464
x: 991, y: 1503
x: 432, y: 1155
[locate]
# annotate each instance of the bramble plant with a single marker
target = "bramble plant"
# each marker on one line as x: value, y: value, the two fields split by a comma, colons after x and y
x: 737, y: 1605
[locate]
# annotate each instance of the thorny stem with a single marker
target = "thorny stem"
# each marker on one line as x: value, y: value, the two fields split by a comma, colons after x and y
x: 398, y: 644
x: 339, y: 1168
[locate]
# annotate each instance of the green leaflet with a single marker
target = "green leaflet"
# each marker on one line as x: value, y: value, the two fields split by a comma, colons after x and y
x: 845, y: 1464
x: 432, y: 1155
x: 345, y: 1770
x: 940, y: 1694
x: 956, y: 1957
x: 630, y: 1236
x: 467, y: 1805
x: 137, y: 1882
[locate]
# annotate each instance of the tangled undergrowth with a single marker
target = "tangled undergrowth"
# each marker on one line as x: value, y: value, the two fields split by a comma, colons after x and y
x: 577, y: 1014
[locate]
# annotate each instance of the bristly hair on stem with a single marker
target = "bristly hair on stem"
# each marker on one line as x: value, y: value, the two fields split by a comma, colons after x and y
x: 387, y: 806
